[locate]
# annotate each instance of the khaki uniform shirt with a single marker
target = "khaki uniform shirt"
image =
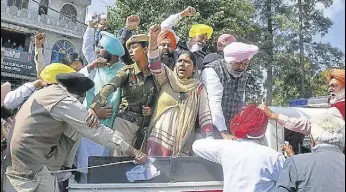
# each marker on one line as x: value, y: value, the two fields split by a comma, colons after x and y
x: 137, y: 89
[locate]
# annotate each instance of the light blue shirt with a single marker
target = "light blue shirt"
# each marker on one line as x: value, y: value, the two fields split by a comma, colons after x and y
x: 101, y: 77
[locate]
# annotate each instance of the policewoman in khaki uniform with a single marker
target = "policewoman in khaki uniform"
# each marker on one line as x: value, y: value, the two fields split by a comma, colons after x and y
x: 138, y: 94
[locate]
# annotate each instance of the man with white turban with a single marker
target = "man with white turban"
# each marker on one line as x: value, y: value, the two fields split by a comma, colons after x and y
x: 225, y: 80
x: 199, y: 35
x: 324, y: 168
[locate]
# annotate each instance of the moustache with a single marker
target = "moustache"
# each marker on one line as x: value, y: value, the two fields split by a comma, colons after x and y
x: 238, y: 71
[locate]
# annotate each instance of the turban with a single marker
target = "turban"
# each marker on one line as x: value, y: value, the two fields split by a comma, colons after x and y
x: 167, y: 34
x: 226, y: 39
x: 200, y: 29
x: 339, y: 75
x: 50, y: 72
x: 75, y: 83
x: 237, y: 52
x: 112, y: 44
x: 137, y: 39
x: 5, y: 88
x: 251, y: 122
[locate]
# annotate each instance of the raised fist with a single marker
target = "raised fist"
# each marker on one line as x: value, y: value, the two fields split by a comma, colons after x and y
x: 188, y: 12
x: 154, y: 31
x: 39, y: 40
x: 132, y: 22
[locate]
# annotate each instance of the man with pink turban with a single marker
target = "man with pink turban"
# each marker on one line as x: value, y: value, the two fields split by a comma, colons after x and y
x: 243, y: 160
x: 225, y: 80
x: 223, y: 41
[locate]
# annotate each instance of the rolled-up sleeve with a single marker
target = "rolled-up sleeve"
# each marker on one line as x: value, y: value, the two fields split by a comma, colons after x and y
x: 301, y: 125
x: 71, y: 111
x: 215, y: 92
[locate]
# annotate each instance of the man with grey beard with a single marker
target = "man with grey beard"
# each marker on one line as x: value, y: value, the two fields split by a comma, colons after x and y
x: 225, y: 80
x: 336, y: 90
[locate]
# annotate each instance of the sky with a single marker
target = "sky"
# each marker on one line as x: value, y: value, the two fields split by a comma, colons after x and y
x: 336, y: 12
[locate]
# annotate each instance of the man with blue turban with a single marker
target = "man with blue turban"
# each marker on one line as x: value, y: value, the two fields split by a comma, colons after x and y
x: 104, y: 64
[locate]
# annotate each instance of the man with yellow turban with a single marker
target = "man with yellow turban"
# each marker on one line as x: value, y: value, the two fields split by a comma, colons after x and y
x: 336, y: 78
x: 199, y: 35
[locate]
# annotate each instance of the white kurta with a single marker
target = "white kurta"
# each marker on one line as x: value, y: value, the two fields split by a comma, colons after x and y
x: 215, y: 92
x: 247, y: 165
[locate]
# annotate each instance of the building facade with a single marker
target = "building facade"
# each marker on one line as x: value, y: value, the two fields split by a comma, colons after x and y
x: 61, y: 20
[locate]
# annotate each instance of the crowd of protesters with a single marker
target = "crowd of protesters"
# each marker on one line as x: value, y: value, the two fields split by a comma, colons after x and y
x: 151, y: 94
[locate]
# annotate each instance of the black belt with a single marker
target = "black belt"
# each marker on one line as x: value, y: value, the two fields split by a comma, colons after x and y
x: 132, y: 117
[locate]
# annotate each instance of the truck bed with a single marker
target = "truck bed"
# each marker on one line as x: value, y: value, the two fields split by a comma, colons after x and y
x: 177, y: 174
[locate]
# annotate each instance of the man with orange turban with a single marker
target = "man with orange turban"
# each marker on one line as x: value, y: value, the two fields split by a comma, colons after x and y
x: 244, y: 160
x: 199, y: 35
x: 223, y: 41
x: 336, y: 78
x: 167, y: 42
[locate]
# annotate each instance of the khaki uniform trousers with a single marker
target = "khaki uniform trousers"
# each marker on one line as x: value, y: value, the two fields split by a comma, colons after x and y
x: 44, y: 182
x: 127, y: 130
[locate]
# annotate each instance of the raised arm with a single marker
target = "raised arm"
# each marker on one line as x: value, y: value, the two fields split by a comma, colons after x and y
x: 155, y: 66
x: 125, y: 33
x: 39, y: 58
x: 172, y: 20
x: 88, y: 41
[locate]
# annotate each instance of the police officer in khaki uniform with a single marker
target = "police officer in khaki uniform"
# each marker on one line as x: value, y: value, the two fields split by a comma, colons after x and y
x: 138, y: 93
